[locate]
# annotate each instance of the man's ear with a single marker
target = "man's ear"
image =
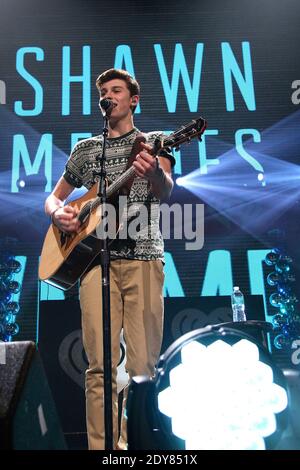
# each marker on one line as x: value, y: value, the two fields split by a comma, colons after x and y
x: 135, y: 99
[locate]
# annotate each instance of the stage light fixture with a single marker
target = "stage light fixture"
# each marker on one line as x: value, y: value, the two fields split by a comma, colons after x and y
x: 21, y: 183
x: 31, y: 182
x: 260, y: 176
x: 179, y: 181
x: 215, y: 388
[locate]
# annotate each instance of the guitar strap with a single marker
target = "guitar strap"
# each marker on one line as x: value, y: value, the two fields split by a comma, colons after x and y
x: 136, y: 148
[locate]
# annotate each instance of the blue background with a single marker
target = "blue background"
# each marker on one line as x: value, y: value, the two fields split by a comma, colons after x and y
x: 219, y: 43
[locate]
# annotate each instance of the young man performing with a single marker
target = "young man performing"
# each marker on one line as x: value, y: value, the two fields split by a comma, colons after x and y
x: 136, y: 266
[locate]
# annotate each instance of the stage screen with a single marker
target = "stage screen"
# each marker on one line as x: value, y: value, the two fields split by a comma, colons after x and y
x: 235, y: 63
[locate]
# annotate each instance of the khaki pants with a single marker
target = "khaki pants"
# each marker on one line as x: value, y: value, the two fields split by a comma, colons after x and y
x: 137, y: 307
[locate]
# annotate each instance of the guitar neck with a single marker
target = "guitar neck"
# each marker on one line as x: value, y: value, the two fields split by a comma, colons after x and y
x: 184, y: 134
x: 126, y: 176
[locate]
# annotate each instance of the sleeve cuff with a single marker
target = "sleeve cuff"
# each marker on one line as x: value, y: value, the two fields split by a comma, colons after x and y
x: 72, y: 180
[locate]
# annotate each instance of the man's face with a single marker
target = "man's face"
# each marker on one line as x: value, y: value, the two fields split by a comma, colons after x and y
x: 116, y: 90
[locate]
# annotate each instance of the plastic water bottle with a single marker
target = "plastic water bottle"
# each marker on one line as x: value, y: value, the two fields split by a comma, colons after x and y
x: 238, y: 305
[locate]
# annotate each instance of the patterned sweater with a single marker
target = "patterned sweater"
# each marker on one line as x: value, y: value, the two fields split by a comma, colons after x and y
x: 146, y: 242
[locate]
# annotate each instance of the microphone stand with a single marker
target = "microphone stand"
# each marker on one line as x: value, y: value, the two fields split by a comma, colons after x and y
x: 106, y: 323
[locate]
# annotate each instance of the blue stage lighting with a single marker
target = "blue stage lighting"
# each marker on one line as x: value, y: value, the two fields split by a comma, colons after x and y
x: 21, y: 183
x: 260, y: 176
x: 179, y: 181
x: 236, y: 187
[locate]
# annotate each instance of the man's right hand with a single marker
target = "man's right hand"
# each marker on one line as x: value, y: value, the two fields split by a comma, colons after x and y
x: 65, y: 218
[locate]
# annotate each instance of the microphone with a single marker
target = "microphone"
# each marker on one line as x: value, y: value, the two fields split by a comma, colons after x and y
x: 106, y: 105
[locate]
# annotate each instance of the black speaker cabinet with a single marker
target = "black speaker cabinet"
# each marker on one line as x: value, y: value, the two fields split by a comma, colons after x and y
x: 28, y: 418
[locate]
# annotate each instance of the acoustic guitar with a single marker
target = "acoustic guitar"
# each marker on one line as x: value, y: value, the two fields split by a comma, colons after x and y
x: 65, y: 257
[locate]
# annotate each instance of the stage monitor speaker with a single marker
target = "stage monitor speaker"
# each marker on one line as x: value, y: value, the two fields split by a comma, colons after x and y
x: 28, y: 417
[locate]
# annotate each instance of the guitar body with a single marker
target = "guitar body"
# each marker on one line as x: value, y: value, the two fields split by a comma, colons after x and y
x: 65, y: 258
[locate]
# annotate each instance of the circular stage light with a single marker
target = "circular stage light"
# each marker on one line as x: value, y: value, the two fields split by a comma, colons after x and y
x: 216, y: 388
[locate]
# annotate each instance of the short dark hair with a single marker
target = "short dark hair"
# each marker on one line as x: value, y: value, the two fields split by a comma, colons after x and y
x: 111, y: 74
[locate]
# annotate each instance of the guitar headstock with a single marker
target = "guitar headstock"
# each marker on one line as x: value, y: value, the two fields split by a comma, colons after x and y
x: 185, y: 133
